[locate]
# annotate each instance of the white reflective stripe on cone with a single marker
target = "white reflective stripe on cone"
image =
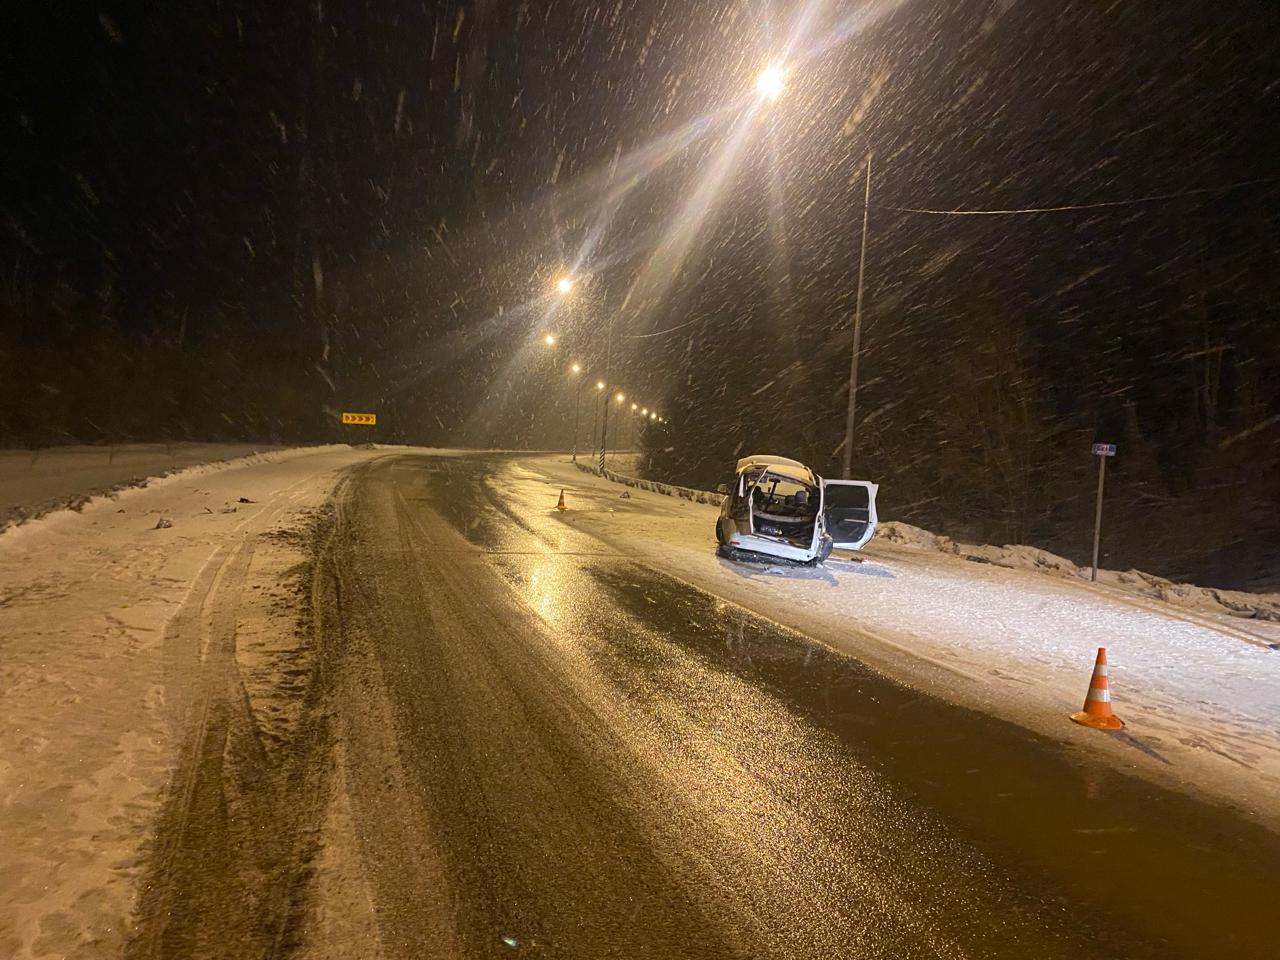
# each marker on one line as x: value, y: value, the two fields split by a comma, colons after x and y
x: 1101, y: 670
x: 1103, y: 695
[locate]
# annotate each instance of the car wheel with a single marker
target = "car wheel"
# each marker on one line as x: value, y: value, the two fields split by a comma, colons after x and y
x: 824, y: 549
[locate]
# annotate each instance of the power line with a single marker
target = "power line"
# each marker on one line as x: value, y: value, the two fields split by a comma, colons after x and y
x: 658, y: 333
x: 1079, y: 206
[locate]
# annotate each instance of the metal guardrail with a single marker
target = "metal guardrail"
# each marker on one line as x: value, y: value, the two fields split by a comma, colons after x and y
x: 666, y: 489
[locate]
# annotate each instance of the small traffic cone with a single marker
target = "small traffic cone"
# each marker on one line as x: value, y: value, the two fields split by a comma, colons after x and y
x: 560, y: 505
x: 1097, y: 702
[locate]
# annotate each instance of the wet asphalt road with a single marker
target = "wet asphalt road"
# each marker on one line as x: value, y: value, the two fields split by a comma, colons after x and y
x: 553, y: 751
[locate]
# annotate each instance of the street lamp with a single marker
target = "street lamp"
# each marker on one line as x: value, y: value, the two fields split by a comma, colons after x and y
x: 577, y: 407
x: 564, y: 285
x: 549, y: 340
x: 857, y: 335
x: 770, y: 82
x: 595, y: 414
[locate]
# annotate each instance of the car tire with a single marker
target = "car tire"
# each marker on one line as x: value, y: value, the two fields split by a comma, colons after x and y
x: 824, y: 549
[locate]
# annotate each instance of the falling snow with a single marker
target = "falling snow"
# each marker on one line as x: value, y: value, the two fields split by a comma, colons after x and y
x: 227, y: 227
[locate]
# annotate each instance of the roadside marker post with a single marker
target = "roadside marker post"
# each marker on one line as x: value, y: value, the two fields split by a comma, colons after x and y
x: 1102, y: 451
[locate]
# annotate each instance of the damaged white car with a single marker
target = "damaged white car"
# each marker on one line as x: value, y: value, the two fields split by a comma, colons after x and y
x: 779, y: 509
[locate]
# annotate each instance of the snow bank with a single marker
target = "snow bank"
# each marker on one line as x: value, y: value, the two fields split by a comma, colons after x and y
x: 1252, y: 606
x: 904, y: 534
x: 36, y: 482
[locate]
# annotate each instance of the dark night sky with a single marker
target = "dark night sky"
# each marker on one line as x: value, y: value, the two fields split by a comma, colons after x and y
x: 235, y: 218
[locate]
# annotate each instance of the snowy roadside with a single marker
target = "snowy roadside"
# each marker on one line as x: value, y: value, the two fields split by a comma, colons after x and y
x: 103, y: 628
x: 37, y: 482
x: 1193, y: 599
x: 1200, y: 695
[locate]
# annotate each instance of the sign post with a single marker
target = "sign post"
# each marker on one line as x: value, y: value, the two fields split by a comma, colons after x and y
x: 1102, y: 451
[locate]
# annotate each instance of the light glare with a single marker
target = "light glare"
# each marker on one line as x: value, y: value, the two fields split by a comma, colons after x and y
x: 770, y: 83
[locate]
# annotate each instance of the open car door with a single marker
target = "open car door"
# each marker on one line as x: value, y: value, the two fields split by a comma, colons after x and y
x: 849, y: 512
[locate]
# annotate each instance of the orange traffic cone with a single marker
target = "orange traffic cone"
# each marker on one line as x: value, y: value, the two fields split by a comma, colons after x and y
x: 560, y: 505
x: 1097, y: 702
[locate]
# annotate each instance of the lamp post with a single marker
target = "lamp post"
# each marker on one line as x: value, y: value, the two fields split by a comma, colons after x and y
x: 857, y: 334
x: 770, y: 84
x: 576, y: 369
x: 604, y: 430
x: 595, y: 415
x: 604, y: 423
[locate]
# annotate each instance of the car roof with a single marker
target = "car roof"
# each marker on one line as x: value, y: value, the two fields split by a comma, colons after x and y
x: 783, y: 465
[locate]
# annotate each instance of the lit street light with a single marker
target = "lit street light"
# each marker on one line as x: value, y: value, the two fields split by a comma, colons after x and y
x: 576, y: 369
x: 549, y: 340
x: 621, y: 397
x: 564, y: 285
x: 770, y: 83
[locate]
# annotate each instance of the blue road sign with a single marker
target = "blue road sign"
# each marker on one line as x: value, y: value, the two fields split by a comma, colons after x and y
x: 1104, y: 449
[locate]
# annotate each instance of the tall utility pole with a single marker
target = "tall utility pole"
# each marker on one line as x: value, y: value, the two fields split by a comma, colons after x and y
x: 577, y: 407
x: 608, y: 387
x: 595, y: 418
x: 1102, y: 451
x: 857, y: 335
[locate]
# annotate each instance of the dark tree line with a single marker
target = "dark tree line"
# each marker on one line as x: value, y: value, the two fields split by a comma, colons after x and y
x: 977, y: 414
